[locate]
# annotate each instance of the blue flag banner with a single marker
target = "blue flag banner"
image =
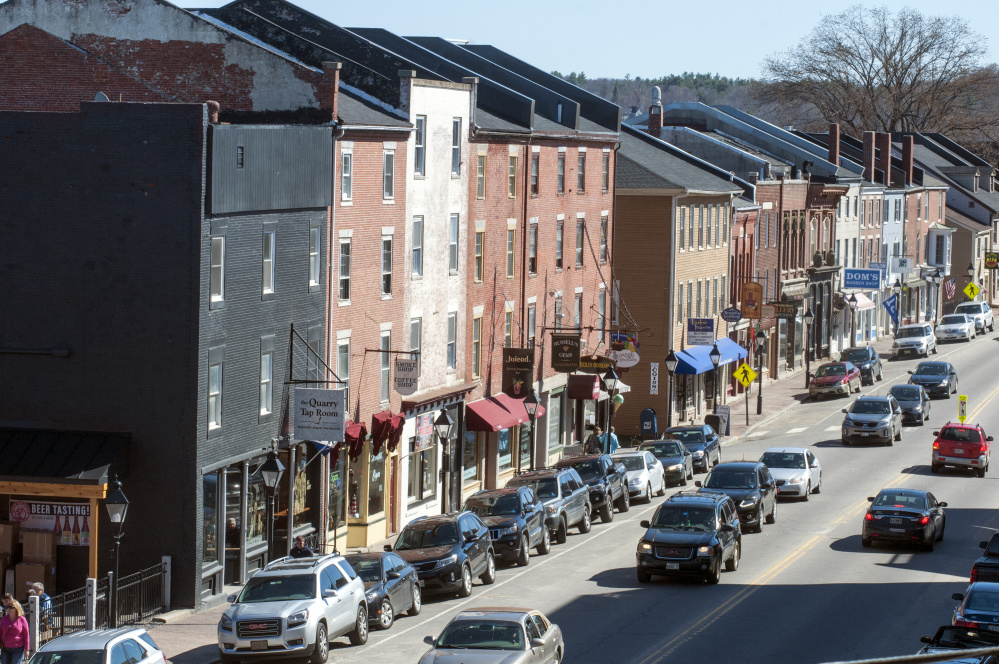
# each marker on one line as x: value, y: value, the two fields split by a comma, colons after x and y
x: 891, y: 304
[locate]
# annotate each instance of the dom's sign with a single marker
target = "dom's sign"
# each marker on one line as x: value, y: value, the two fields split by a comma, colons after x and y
x: 565, y: 352
x: 319, y: 414
x: 518, y: 366
x: 858, y: 278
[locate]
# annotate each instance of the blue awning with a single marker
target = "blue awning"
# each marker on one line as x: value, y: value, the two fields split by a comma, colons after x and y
x: 696, y: 359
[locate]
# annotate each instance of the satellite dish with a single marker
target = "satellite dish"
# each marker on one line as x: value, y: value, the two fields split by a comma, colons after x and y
x: 100, y: 96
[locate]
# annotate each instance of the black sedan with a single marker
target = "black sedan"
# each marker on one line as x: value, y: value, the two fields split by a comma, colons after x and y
x: 391, y: 586
x: 701, y: 441
x: 678, y: 463
x: 937, y: 378
x: 867, y: 360
x: 915, y: 403
x: 904, y: 515
x: 950, y: 638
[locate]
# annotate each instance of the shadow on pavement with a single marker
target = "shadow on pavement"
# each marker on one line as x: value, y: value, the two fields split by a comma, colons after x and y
x: 200, y: 655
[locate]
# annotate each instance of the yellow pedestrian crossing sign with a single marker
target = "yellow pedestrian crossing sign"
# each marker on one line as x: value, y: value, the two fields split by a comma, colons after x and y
x: 972, y: 290
x: 962, y: 407
x: 745, y: 374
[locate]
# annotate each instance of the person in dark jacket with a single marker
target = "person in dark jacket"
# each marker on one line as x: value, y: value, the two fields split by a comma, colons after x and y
x: 300, y: 550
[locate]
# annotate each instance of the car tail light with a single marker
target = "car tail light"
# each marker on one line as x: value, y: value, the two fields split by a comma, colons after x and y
x: 981, y: 448
x: 966, y: 623
x: 869, y: 517
x: 925, y: 520
x: 974, y: 574
x: 936, y: 445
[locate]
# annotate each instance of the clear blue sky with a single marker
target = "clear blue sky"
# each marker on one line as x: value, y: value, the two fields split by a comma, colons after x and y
x: 725, y: 37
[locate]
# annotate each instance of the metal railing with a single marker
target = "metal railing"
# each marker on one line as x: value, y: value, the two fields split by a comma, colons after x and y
x: 140, y: 595
x: 68, y: 614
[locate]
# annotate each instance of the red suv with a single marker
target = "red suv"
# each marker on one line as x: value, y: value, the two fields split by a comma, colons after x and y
x: 961, y: 446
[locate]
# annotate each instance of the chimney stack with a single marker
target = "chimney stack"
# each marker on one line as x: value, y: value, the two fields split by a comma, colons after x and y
x: 908, y: 147
x: 868, y: 162
x: 656, y: 112
x: 329, y: 87
x: 882, y: 142
x: 406, y: 77
x: 213, y: 112
x: 834, y: 143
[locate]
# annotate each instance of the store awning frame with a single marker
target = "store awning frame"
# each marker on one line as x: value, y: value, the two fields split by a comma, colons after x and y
x: 864, y: 303
x: 696, y: 360
x: 496, y: 413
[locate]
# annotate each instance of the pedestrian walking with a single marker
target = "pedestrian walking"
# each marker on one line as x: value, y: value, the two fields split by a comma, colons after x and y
x: 14, y: 632
x: 44, y: 604
x: 593, y: 443
x: 300, y: 550
x: 613, y: 444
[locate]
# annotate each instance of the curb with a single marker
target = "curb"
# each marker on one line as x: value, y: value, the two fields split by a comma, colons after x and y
x: 173, y: 616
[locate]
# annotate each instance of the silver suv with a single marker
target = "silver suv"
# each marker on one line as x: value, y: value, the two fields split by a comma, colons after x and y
x: 917, y: 339
x: 980, y: 312
x: 292, y: 608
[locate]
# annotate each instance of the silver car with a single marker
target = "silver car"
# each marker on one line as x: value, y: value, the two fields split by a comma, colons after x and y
x: 914, y: 339
x: 102, y: 646
x: 955, y: 327
x: 980, y: 312
x: 796, y: 470
x: 497, y: 636
x: 644, y: 474
x: 873, y: 418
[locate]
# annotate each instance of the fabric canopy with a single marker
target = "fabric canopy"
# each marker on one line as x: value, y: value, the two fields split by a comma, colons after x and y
x: 496, y: 413
x: 383, y: 426
x: 863, y: 302
x: 583, y: 386
x: 696, y: 359
x: 355, y: 435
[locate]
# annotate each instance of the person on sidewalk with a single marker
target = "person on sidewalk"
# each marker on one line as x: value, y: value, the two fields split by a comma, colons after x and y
x: 14, y: 635
x: 613, y: 444
x: 594, y: 445
x: 300, y: 550
x: 44, y: 604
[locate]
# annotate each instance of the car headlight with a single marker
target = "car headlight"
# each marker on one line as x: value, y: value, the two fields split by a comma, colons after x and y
x: 444, y: 562
x: 225, y: 623
x: 796, y: 480
x: 943, y: 383
x: 635, y: 481
x: 865, y: 366
x: 644, y: 547
x: 371, y: 595
x: 675, y: 466
x: 552, y: 509
x: 749, y: 502
x: 699, y: 453
x: 705, y: 550
x: 509, y: 530
x: 297, y: 619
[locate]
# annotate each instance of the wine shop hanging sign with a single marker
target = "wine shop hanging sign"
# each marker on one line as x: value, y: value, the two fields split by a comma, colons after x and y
x: 69, y: 522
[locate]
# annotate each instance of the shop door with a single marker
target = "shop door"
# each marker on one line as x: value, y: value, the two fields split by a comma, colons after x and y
x: 393, y: 504
x: 234, y: 524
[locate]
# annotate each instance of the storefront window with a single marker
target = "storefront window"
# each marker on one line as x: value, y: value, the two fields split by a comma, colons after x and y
x: 525, y: 446
x: 256, y: 506
x: 210, y: 506
x: 422, y: 483
x: 781, y: 340
x: 303, y: 488
x: 505, y: 461
x: 797, y: 341
x: 470, y: 457
x: 555, y: 421
x: 338, y: 494
x: 376, y: 484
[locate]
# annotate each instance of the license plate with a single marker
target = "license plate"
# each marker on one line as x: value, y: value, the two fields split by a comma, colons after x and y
x: 864, y: 433
x: 958, y: 451
x: 672, y: 565
x: 897, y: 530
x: 896, y: 521
x: 992, y: 628
x: 258, y: 645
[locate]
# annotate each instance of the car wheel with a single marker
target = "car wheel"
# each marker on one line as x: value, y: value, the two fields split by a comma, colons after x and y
x: 647, y: 498
x: 606, y: 514
x: 943, y: 527
x: 758, y: 528
x: 934, y: 349
x: 386, y: 615
x: 586, y: 523
x: 642, y: 575
x: 624, y: 502
x: 928, y: 545
x: 865, y: 542
x: 947, y: 396
x: 523, y: 553
x: 935, y: 468
x: 691, y: 475
x: 488, y: 577
x: 558, y: 657
x: 359, y: 636
x: 662, y: 486
x: 891, y: 439
x: 858, y: 387
x: 562, y: 532
x: 846, y: 443
x: 772, y: 517
x: 718, y: 457
x: 981, y: 472
x: 546, y: 543
x: 881, y: 373
x: 808, y: 491
x: 714, y: 574
x: 322, y: 650
x: 417, y: 605
x: 732, y: 564
x: 466, y: 582
x: 683, y: 480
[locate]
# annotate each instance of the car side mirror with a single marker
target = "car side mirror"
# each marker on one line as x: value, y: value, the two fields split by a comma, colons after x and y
x: 387, y: 547
x: 988, y: 438
x: 983, y: 545
x: 698, y: 483
x: 644, y: 523
x: 727, y: 528
x: 328, y: 592
x: 469, y: 537
x: 936, y: 433
x: 957, y: 596
x: 870, y: 499
x: 429, y: 640
x: 910, y: 373
x: 926, y: 639
x: 537, y: 643
x: 232, y: 598
x: 942, y: 504
x: 844, y: 410
x: 897, y: 411
x: 814, y: 464
x: 393, y: 575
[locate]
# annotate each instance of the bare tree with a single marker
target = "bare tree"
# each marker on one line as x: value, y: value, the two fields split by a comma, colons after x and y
x: 870, y: 69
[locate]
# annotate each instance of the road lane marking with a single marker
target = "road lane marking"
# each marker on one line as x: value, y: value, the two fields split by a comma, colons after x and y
x: 797, y: 430
x: 834, y: 427
x: 981, y: 406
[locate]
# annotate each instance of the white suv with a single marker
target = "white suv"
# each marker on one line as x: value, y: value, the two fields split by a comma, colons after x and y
x: 917, y: 339
x: 292, y: 608
x: 980, y: 312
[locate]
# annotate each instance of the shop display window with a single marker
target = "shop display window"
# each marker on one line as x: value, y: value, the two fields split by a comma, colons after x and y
x: 376, y: 484
x: 470, y: 457
x: 422, y: 475
x: 210, y: 505
x: 256, y: 506
x: 338, y: 494
x: 505, y: 454
x: 303, y: 487
x: 555, y: 402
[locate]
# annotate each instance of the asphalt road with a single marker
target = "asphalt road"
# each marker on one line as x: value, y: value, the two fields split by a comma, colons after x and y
x: 805, y: 591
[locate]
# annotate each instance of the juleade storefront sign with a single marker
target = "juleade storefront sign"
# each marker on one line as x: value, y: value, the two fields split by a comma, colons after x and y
x: 518, y: 367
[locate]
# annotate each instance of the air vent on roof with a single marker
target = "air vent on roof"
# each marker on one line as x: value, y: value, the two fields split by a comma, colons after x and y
x: 100, y: 96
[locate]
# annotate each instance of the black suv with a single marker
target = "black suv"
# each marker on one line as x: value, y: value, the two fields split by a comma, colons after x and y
x: 866, y: 359
x: 565, y: 497
x: 605, y: 481
x: 691, y: 533
x: 516, y: 521
x: 702, y: 442
x: 447, y: 550
x: 751, y: 487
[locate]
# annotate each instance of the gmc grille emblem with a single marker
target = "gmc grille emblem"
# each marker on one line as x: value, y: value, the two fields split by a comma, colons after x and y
x: 674, y: 551
x: 261, y: 626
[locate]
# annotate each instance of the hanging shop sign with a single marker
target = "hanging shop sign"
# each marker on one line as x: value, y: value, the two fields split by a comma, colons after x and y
x: 700, y: 331
x: 654, y: 384
x: 731, y: 315
x: 69, y: 522
x: 406, y: 375
x: 623, y: 349
x: 861, y: 278
x: 518, y: 366
x: 752, y: 299
x: 319, y: 414
x: 769, y: 311
x: 991, y: 260
x: 785, y: 310
x: 593, y: 364
x: 565, y: 352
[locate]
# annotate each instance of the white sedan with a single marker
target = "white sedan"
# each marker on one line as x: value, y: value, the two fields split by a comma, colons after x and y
x: 955, y: 326
x: 796, y: 470
x: 644, y: 474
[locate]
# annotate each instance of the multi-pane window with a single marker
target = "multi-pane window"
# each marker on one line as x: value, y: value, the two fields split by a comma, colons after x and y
x: 268, y: 261
x: 700, y: 226
x: 682, y: 213
x: 418, y: 246
x: 510, y: 242
x: 215, y: 395
x: 602, y: 311
x: 535, y: 168
x: 919, y: 207
x: 940, y: 200
x: 480, y: 177
x: 690, y: 298
x: 558, y: 313
x: 531, y: 318
x: 346, y: 176
x: 314, y: 261
x: 603, y: 240
x: 344, y: 269
x: 508, y: 330
x: 476, y: 346
x: 388, y: 174
x: 690, y: 217
x: 719, y: 211
x: 532, y: 249
x: 452, y: 340
x: 456, y: 146
x: 560, y: 179
x: 480, y: 240
x: 387, y: 265
x: 714, y: 296
x: 708, y: 211
x: 420, y: 149
x: 343, y: 367
x: 452, y: 238
x: 512, y: 178
x: 577, y: 312
x: 559, y: 237
x: 384, y: 368
x: 724, y: 295
x: 605, y: 173
x: 266, y: 382
x: 580, y: 229
x: 581, y: 173
x: 415, y: 339
x: 216, y: 278
x: 699, y: 289
x: 679, y: 304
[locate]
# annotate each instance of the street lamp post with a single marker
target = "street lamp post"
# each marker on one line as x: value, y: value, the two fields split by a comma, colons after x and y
x: 808, y: 318
x: 443, y: 426
x: 715, y: 356
x: 671, y: 363
x: 610, y: 380
x: 117, y: 506
x: 761, y: 342
x: 853, y: 319
x: 531, y: 403
x: 270, y: 473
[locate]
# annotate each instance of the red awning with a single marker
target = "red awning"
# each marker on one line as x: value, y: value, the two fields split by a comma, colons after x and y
x: 380, y: 430
x: 496, y: 413
x: 355, y: 433
x: 583, y: 386
x: 396, y: 423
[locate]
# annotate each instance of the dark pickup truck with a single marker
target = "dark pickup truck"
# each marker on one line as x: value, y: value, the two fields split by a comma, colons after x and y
x: 986, y: 568
x: 605, y: 481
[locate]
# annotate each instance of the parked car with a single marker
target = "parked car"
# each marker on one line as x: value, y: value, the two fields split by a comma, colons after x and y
x: 643, y: 473
x: 795, y: 469
x: 962, y: 446
x: 676, y: 459
x: 101, y: 646
x: 605, y: 481
x: 701, y: 441
x: 565, y: 497
x: 448, y: 551
x: 954, y: 327
x: 293, y: 607
x: 391, y: 586
x: 691, y: 533
x: 750, y: 486
x: 873, y: 418
x: 516, y: 522
x: 950, y: 638
x: 497, y: 636
x: 986, y: 568
x: 979, y: 607
x: 914, y: 402
x: 904, y: 515
x: 867, y: 360
x: 916, y: 339
x: 937, y: 378
x: 834, y: 378
x: 980, y: 312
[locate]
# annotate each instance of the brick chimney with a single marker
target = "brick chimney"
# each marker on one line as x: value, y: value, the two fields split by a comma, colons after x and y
x: 656, y: 112
x: 908, y: 147
x: 213, y: 112
x: 329, y: 87
x: 834, y: 143
x: 406, y: 77
x: 868, y: 162
x: 882, y: 142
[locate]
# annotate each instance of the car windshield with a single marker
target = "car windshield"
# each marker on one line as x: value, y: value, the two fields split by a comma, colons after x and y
x: 892, y: 499
x: 856, y: 355
x: 688, y: 436
x: 68, y: 657
x: 905, y: 393
x: 588, y: 469
x: 831, y: 370
x: 953, y: 320
x: 631, y: 462
x: 682, y: 518
x: 731, y: 479
x: 982, y: 601
x: 957, y: 435
x: 931, y: 369
x: 662, y: 449
x: 969, y: 309
x: 369, y: 569
x: 910, y: 332
x: 544, y: 488
x: 492, y: 505
x: 962, y: 637
x: 870, y: 407
x: 784, y: 460
x: 483, y: 635
x: 421, y: 536
x: 278, y: 588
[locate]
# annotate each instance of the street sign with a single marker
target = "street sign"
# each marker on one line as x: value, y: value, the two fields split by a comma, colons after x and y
x: 785, y: 310
x: 962, y: 407
x: 972, y: 290
x: 752, y: 298
x: 745, y: 374
x: 991, y: 260
x: 700, y: 331
x: 878, y: 266
x: 654, y: 385
x: 731, y: 315
x: 769, y: 311
x: 859, y: 278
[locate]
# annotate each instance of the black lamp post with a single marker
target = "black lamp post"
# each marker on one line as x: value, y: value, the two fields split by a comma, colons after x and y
x: 852, y: 301
x: 610, y: 381
x: 671, y: 363
x: 531, y: 403
x: 117, y: 506
x: 715, y: 356
x: 761, y: 342
x: 808, y: 318
x: 270, y: 472
x: 971, y: 270
x: 443, y: 426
